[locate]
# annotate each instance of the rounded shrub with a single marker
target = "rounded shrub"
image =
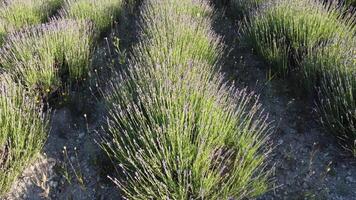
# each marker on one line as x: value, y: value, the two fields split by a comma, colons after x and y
x: 174, y: 130
x: 283, y: 31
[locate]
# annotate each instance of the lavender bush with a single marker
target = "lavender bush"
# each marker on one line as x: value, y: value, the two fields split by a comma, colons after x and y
x: 173, y: 128
x: 41, y: 56
x: 23, y: 128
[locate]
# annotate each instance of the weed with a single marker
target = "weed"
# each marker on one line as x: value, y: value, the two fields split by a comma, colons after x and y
x: 71, y: 166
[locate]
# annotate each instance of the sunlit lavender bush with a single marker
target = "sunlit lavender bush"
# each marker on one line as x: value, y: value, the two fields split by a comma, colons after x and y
x: 283, y: 31
x: 102, y: 13
x: 174, y: 129
x: 48, y: 56
x: 23, y: 128
x: 316, y: 43
x: 336, y: 62
x: 16, y: 14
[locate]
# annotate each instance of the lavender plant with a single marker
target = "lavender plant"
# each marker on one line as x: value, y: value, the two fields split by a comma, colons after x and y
x: 41, y: 57
x: 17, y: 14
x: 337, y: 93
x: 282, y: 31
x: 102, y: 13
x: 23, y: 128
x: 316, y: 42
x: 173, y: 128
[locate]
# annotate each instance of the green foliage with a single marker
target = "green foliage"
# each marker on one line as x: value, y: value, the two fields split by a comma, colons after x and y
x: 316, y: 43
x: 350, y: 3
x: 23, y: 129
x: 16, y: 14
x: 283, y: 31
x: 175, y: 130
x: 101, y: 13
x: 48, y: 56
x: 336, y: 62
x: 243, y: 7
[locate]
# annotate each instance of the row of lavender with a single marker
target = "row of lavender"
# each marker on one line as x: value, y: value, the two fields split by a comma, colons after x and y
x: 48, y: 56
x: 174, y: 129
x: 39, y: 60
x: 315, y: 43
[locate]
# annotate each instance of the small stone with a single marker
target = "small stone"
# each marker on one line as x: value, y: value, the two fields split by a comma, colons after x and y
x: 53, y: 184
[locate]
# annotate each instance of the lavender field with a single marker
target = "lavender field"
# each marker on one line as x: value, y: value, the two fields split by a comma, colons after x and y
x: 177, y: 99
